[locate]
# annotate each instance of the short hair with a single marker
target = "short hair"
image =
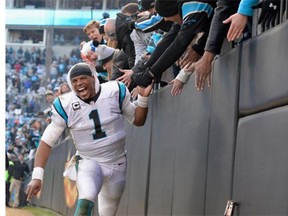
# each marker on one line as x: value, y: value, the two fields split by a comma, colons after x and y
x: 130, y: 8
x: 91, y: 24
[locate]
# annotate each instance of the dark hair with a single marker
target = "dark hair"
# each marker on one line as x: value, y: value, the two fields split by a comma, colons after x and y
x: 130, y: 8
x: 145, y: 4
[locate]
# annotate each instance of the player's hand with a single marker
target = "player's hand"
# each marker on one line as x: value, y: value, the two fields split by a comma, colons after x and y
x: 33, y: 188
x: 145, y: 92
x: 177, y: 87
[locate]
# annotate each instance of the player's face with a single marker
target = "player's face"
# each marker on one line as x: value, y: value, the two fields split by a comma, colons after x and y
x: 84, y: 86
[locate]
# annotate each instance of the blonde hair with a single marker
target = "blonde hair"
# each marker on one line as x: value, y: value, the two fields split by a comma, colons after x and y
x: 91, y: 24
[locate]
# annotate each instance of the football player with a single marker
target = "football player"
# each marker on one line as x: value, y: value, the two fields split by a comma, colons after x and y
x: 95, y: 115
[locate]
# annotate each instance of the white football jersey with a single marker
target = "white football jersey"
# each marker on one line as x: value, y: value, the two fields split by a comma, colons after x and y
x: 97, y: 128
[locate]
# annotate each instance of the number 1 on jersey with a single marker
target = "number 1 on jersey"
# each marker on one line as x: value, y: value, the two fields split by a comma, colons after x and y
x: 95, y: 117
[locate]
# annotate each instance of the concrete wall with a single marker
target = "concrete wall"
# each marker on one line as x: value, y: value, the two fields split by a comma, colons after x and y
x: 201, y: 149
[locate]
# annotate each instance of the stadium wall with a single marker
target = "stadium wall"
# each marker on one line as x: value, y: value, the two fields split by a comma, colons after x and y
x: 201, y: 149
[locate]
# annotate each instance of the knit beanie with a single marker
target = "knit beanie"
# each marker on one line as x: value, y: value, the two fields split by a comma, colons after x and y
x: 80, y: 69
x: 105, y: 53
x: 145, y: 4
x: 166, y: 8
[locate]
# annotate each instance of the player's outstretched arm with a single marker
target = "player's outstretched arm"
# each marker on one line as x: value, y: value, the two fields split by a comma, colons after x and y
x: 41, y: 159
x: 142, y: 107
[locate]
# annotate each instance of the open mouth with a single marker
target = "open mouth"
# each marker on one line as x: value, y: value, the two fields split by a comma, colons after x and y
x: 82, y: 92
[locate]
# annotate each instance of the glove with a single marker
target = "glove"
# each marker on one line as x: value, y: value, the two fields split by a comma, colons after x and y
x: 143, y: 79
x: 269, y: 11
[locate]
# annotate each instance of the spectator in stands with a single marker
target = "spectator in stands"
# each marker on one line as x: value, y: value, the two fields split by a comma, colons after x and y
x: 88, y: 53
x: 188, y: 21
x: 90, y: 56
x: 141, y: 41
x: 238, y: 22
x: 105, y: 15
x: 64, y: 88
x: 62, y: 39
x: 20, y: 52
x: 35, y: 134
x: 105, y: 55
x: 118, y: 30
x: 110, y: 31
x: 126, y: 77
x: 8, y: 178
x: 56, y: 91
x: 49, y: 97
x: 98, y: 4
x: 229, y: 21
x: 56, y: 39
x: 151, y: 23
x: 92, y: 31
x: 53, y: 70
x: 113, y: 60
x: 20, y: 172
x: 100, y: 163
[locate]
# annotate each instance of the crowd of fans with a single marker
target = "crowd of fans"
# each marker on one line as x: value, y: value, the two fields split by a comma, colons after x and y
x: 29, y: 95
x: 192, y: 34
x: 27, y: 92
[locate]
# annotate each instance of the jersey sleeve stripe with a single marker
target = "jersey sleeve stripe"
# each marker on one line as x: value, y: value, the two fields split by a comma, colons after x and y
x: 196, y: 7
x: 149, y: 23
x: 59, y: 108
x: 122, y: 93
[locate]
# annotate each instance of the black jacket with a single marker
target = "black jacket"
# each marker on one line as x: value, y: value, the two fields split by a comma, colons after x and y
x: 20, y: 170
x: 176, y: 41
x: 125, y: 42
x: 218, y: 30
x: 120, y: 61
